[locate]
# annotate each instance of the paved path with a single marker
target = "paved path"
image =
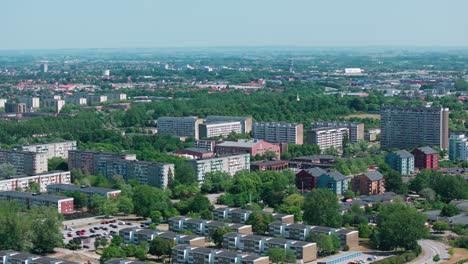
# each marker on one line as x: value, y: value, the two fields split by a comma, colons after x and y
x: 430, y: 248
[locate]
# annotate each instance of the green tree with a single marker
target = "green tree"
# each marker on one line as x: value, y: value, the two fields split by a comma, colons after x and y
x: 321, y: 208
x: 440, y: 226
x: 449, y: 210
x: 156, y: 217
x: 259, y: 222
x: 428, y: 194
x: 116, y: 241
x: 218, y: 234
x: 161, y: 247
x: 7, y: 170
x: 57, y: 163
x: 394, y: 181
x: 111, y: 253
x: 124, y: 204
x: 46, y: 233
x: 147, y: 199
x: 140, y: 253
x: 399, y: 226
x: 34, y: 187
x: 278, y: 255
x: 326, y: 244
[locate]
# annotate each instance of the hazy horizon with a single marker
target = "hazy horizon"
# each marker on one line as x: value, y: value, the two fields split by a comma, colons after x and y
x: 146, y: 24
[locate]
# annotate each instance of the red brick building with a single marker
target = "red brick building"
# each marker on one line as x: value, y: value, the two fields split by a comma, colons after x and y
x: 425, y: 158
x: 369, y: 183
x: 252, y: 146
x: 306, y: 180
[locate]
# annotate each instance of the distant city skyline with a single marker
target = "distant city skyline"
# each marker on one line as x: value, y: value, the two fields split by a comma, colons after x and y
x: 56, y: 24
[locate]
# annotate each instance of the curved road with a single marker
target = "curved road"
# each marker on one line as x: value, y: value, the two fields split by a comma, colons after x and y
x: 430, y: 248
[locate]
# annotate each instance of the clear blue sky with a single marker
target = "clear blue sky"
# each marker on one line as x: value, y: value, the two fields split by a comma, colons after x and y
x: 39, y: 24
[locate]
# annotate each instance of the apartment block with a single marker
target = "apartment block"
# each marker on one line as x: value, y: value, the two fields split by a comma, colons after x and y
x: 252, y: 146
x: 31, y: 102
x: 328, y: 137
x: 219, y: 129
x: 52, y: 150
x: 229, y: 164
x: 401, y: 161
x: 96, y: 99
x: 204, y: 227
x: 305, y: 251
x: 57, y: 104
x: 194, y: 153
x: 2, y: 102
x: 206, y: 144
x: 76, y: 100
x: 199, y: 255
x: 246, y: 122
x: 355, y: 130
x: 458, y: 149
x: 126, y: 165
x: 63, y: 204
x: 276, y: 132
x: 18, y: 108
x: 43, y: 179
x: 116, y: 97
x: 179, y: 126
x: 15, y: 257
x: 369, y: 183
x: 301, y: 232
x: 333, y: 181
x: 372, y: 134
x: 410, y: 127
x: 25, y: 162
x: 238, y: 215
x: 90, y: 191
x: 425, y: 158
x: 133, y: 235
x: 307, y: 179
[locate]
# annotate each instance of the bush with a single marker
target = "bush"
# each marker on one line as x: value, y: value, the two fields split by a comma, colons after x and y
x: 400, y: 259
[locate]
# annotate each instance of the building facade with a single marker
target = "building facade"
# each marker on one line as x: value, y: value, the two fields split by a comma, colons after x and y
x: 328, y: 137
x: 246, y: 122
x: 15, y: 257
x: 63, y: 204
x: 275, y: 132
x: 25, y: 162
x: 369, y: 183
x: 52, y: 150
x: 90, y: 191
x: 18, y: 108
x: 126, y: 165
x: 31, y: 102
x: 333, y: 181
x: 252, y: 146
x: 229, y: 164
x: 425, y: 158
x: 43, y: 179
x: 355, y: 130
x: 219, y: 129
x: 410, y: 127
x: 199, y: 255
x: 458, y: 149
x: 307, y: 179
x: 179, y: 126
x: 402, y: 161
x: 270, y: 165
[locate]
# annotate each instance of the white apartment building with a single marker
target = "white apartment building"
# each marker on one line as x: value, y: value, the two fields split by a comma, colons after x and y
x: 229, y: 164
x: 328, y: 137
x: 223, y: 129
x: 52, y: 150
x: 43, y: 179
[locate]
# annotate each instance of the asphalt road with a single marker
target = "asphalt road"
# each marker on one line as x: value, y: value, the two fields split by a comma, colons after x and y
x: 430, y: 248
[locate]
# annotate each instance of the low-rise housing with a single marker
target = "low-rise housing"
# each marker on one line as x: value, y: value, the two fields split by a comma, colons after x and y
x: 401, y: 161
x: 369, y: 183
x: 88, y: 190
x: 63, y: 204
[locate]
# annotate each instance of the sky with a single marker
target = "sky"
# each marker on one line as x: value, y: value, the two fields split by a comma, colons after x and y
x: 65, y: 24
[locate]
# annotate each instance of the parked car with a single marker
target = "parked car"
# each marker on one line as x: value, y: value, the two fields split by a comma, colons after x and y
x: 85, y: 246
x: 129, y: 224
x: 69, y: 235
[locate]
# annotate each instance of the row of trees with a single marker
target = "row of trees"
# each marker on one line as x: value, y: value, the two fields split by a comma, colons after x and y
x: 36, y: 230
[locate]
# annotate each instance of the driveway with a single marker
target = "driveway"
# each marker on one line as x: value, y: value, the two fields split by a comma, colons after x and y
x: 430, y: 248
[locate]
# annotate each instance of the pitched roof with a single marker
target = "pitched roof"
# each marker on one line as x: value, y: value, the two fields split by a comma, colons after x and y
x: 336, y: 176
x: 403, y: 154
x: 315, y: 171
x: 427, y: 150
x: 374, y: 175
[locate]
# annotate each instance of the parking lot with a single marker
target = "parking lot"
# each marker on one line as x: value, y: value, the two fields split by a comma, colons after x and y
x: 88, y: 231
